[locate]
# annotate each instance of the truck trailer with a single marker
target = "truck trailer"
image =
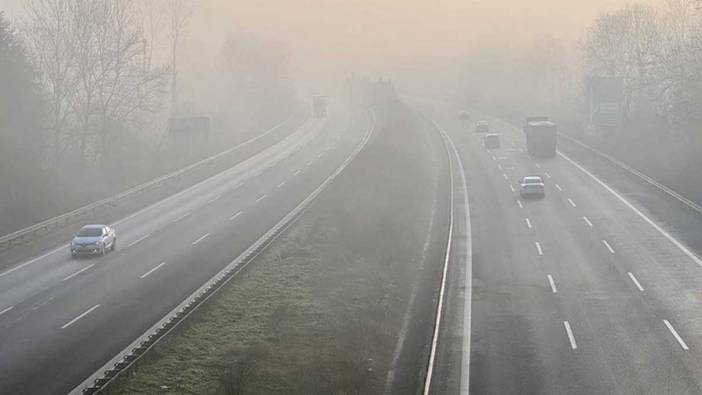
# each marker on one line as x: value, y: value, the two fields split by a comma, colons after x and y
x: 541, y: 137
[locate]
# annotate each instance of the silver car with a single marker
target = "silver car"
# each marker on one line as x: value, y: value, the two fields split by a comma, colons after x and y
x: 532, y: 186
x: 93, y: 240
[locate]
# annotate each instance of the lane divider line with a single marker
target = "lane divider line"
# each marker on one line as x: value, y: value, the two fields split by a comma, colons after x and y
x: 78, y: 272
x: 636, y: 282
x: 73, y: 321
x: 571, y: 337
x: 214, y: 199
x: 505, y: 176
x: 609, y: 247
x: 552, y: 283
x: 676, y: 335
x: 572, y: 203
x: 538, y: 166
x: 182, y: 217
x: 233, y: 217
x: 638, y: 212
x: 538, y: 248
x: 152, y: 270
x: 511, y: 188
x: 297, y: 172
x: 139, y: 240
x: 587, y: 221
x: 547, y: 175
x: 558, y: 187
x: 519, y: 203
x: 281, y: 184
x: 260, y: 198
x: 527, y: 222
x: 203, y: 237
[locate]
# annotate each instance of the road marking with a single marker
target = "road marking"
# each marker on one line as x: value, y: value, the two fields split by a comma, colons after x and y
x: 78, y: 272
x: 203, y: 237
x: 552, y: 283
x: 520, y: 149
x: 493, y: 157
x: 636, y: 282
x: 675, y: 334
x: 319, y: 155
x: 44, y: 302
x: 281, y: 184
x: 519, y: 203
x: 297, y: 172
x: 5, y: 310
x: 609, y: 247
x: 29, y: 262
x: 181, y: 217
x: 538, y: 166
x: 538, y: 248
x: 572, y: 203
x: 547, y: 175
x: 638, y: 212
x: 214, y: 199
x: 528, y: 222
x: 511, y: 187
x: 505, y: 176
x: 571, y: 338
x: 233, y: 217
x: 73, y: 321
x: 260, y: 198
x: 559, y: 187
x: 499, y: 166
x: 309, y: 163
x: 139, y: 240
x: 152, y: 270
x: 587, y: 221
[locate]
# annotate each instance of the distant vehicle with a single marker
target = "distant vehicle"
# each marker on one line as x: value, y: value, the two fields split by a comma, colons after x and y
x: 482, y: 127
x: 541, y: 137
x: 491, y: 141
x: 93, y: 240
x: 319, y: 106
x: 532, y: 186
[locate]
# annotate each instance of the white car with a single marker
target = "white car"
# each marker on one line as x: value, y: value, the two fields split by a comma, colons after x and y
x: 532, y: 186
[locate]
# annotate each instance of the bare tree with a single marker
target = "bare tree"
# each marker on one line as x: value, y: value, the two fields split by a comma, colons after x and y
x: 180, y: 12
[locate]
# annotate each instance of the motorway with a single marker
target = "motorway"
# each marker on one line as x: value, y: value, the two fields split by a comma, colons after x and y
x: 61, y: 319
x: 582, y: 292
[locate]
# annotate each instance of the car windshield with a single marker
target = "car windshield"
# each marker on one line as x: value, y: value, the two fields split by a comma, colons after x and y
x: 89, y: 232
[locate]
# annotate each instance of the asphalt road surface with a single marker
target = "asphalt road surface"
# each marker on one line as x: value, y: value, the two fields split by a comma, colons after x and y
x: 62, y: 318
x: 582, y: 292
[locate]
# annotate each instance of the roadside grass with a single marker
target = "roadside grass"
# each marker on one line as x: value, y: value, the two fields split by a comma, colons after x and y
x: 319, y: 311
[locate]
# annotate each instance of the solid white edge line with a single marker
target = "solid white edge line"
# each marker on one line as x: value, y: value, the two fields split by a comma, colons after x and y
x: 152, y: 270
x: 636, y: 281
x: 73, y: 321
x: 78, y: 272
x: 571, y: 337
x: 260, y: 198
x: 139, y: 240
x: 203, y: 237
x: 538, y: 248
x: 233, y: 217
x: 552, y: 283
x: 587, y: 221
x: 609, y: 247
x: 676, y: 335
x: 528, y: 222
x: 638, y: 212
x: 6, y: 310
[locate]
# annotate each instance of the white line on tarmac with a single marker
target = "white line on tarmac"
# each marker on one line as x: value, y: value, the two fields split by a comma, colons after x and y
x: 5, y: 310
x: 499, y: 166
x: 505, y: 176
x: 675, y: 334
x: 638, y: 212
x: 297, y: 172
x: 511, y: 187
x: 571, y: 337
x: 152, y: 270
x: 559, y: 187
x: 572, y: 203
x: 519, y: 203
x: 587, y: 221
x: 73, y: 321
x: 260, y: 198
x: 538, y: 166
x: 547, y: 175
x: 78, y: 272
x: 182, y: 217
x: 214, y: 199
x: 538, y: 248
x: 203, y: 237
x: 139, y: 240
x: 493, y: 157
x: 552, y: 283
x: 527, y: 222
x: 636, y: 282
x: 609, y: 247
x: 233, y: 217
x: 281, y: 184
